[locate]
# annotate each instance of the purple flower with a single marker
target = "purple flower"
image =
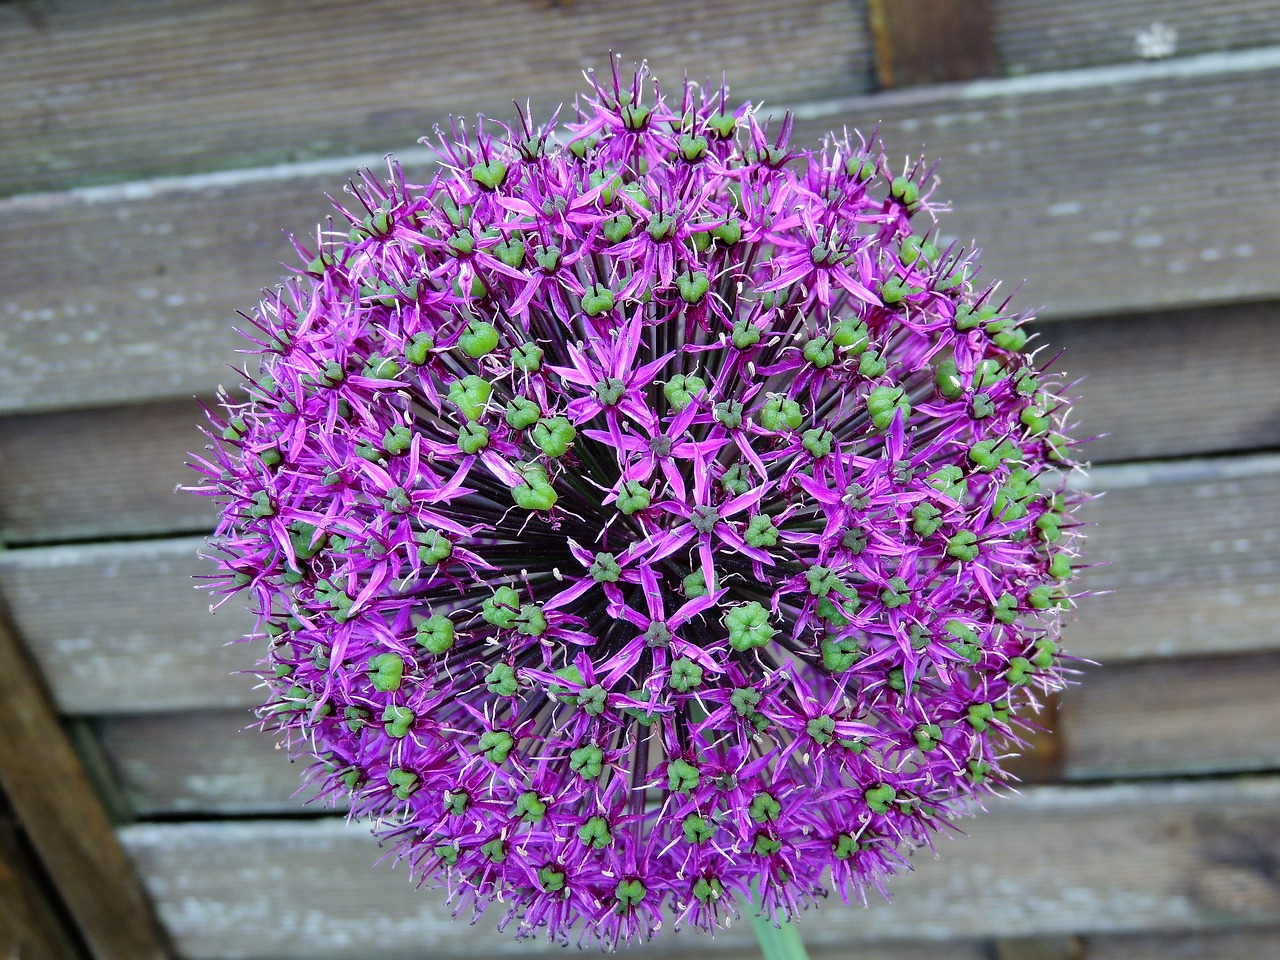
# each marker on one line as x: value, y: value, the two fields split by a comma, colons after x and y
x: 645, y: 511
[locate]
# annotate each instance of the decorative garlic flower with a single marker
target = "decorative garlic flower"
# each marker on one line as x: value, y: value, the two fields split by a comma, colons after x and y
x: 646, y: 515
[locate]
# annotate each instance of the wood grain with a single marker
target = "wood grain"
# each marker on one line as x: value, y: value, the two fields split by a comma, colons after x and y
x: 1032, y: 35
x: 1189, y: 856
x: 29, y: 920
x: 54, y: 800
x: 206, y: 763
x: 1261, y: 944
x: 1154, y: 385
x: 1174, y: 383
x: 1192, y: 560
x: 1168, y: 718
x: 931, y: 41
x: 98, y: 474
x: 1193, y: 716
x: 94, y: 94
x: 122, y: 626
x: 126, y: 294
x: 1191, y: 553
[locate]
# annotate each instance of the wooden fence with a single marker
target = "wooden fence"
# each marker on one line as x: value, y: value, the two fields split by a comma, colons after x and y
x: 1122, y: 158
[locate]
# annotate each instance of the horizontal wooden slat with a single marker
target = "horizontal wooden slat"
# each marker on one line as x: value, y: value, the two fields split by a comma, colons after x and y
x: 1032, y: 35
x: 111, y: 472
x: 1100, y: 860
x: 1261, y: 944
x: 1172, y: 383
x: 917, y: 950
x: 123, y: 294
x: 1192, y: 560
x: 692, y: 947
x: 121, y: 626
x: 98, y: 474
x: 1165, y: 718
x: 211, y: 763
x: 93, y: 94
x: 1191, y: 553
x: 1189, y: 716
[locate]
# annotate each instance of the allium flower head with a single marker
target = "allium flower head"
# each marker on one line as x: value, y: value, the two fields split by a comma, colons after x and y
x: 644, y: 512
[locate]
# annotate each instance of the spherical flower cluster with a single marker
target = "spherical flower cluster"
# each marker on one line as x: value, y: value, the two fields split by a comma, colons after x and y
x: 646, y: 515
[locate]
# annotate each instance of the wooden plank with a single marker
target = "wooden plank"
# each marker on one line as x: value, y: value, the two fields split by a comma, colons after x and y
x: 916, y: 949
x: 1166, y: 718
x: 931, y: 41
x: 692, y: 947
x: 54, y: 800
x: 121, y: 626
x: 1192, y: 554
x: 1263, y: 944
x: 1053, y: 176
x: 29, y: 921
x: 1173, y: 383
x: 87, y: 474
x: 205, y: 763
x: 111, y: 472
x: 1032, y: 35
x: 1055, y: 180
x: 93, y: 95
x: 1139, y: 858
x: 1194, y: 716
x: 1193, y: 560
x: 1038, y: 948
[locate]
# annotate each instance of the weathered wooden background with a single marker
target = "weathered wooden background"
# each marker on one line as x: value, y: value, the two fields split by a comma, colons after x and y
x: 1123, y: 158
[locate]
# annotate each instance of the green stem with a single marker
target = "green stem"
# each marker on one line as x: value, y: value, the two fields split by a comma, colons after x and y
x: 776, y: 942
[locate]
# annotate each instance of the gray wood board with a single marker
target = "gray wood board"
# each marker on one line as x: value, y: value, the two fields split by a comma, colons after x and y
x: 122, y: 626
x: 1032, y: 35
x: 101, y: 473
x: 94, y: 94
x: 1190, y: 555
x: 206, y: 763
x: 1105, y: 197
x: 1164, y: 718
x: 1172, y: 383
x: 1262, y: 944
x: 1136, y: 858
x: 1193, y: 716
